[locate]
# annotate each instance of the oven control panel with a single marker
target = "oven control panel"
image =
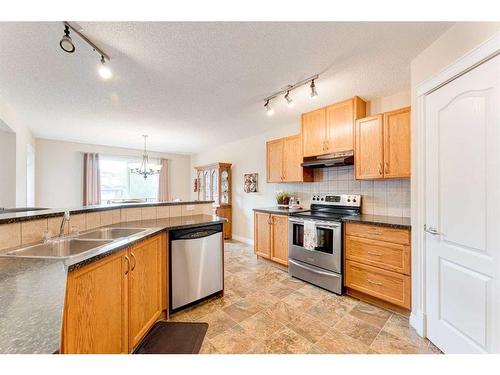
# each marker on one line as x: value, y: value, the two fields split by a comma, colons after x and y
x: 337, y: 200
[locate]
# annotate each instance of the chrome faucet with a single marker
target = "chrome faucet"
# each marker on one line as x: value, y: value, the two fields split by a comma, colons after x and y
x: 64, y: 220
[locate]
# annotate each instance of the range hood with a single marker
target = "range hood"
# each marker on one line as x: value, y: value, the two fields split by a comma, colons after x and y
x: 337, y: 159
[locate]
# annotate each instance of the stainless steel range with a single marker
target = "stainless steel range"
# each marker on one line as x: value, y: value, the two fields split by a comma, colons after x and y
x: 322, y: 265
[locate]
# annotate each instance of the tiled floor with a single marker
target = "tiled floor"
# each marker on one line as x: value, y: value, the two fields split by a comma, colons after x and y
x: 266, y: 311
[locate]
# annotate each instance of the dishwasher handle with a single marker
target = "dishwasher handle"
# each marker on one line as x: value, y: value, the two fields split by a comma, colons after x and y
x: 194, y: 233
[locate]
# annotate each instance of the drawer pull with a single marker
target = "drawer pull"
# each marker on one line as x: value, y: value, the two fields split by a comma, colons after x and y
x: 373, y: 232
x: 374, y: 282
x: 375, y: 254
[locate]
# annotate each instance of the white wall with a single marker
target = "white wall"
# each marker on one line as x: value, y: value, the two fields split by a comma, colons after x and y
x: 59, y: 171
x: 248, y: 155
x: 7, y: 168
x: 448, y: 48
x: 23, y: 138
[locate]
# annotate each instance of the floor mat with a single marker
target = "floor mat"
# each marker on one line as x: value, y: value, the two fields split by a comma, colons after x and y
x: 173, y: 338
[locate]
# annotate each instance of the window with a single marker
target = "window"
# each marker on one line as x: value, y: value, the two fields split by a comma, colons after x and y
x: 118, y: 183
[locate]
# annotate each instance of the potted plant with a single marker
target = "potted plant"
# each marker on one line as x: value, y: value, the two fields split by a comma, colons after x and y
x: 283, y: 198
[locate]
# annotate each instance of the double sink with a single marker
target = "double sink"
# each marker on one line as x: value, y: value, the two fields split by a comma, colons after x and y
x: 67, y: 247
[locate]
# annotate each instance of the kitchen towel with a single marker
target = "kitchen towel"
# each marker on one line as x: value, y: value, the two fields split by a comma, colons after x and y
x: 310, y: 237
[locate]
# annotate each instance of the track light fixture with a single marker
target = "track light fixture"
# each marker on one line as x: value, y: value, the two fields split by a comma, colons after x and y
x: 289, y: 100
x: 67, y: 45
x: 286, y: 90
x: 314, y: 93
x: 268, y: 108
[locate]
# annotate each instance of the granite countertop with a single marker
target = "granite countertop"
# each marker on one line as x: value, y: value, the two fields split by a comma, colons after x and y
x: 280, y: 210
x: 32, y: 290
x: 385, y: 221
x: 32, y: 293
x: 12, y: 217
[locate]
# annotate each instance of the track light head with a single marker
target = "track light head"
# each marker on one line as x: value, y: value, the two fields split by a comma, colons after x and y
x: 66, y: 43
x: 289, y: 100
x: 314, y: 93
x: 268, y: 108
x: 104, y: 71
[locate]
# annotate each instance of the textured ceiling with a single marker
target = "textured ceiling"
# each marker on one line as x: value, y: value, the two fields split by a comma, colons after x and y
x: 194, y: 85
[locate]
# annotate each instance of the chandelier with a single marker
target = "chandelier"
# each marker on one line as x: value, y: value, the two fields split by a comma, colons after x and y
x: 145, y: 169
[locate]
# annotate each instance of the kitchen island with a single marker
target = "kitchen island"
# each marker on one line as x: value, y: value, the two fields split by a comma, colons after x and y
x: 33, y: 290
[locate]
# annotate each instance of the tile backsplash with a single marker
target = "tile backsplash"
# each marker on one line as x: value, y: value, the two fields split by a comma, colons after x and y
x: 379, y: 197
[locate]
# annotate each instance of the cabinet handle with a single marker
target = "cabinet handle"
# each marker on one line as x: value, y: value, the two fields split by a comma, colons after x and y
x: 373, y: 232
x: 380, y: 168
x: 375, y: 254
x: 135, y: 261
x: 374, y: 282
x: 128, y: 264
x: 326, y: 145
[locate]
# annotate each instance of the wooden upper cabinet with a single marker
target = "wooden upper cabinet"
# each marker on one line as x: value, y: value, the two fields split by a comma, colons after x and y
x: 331, y: 129
x: 397, y: 143
x: 314, y: 132
x: 96, y: 308
x: 383, y: 145
x: 369, y: 148
x: 275, y: 160
x: 262, y: 234
x: 340, y: 119
x: 145, y: 287
x: 284, y: 159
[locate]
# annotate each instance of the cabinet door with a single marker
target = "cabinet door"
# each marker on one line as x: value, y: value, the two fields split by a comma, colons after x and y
x: 96, y: 309
x: 292, y: 158
x: 397, y: 143
x: 262, y: 234
x: 225, y: 212
x: 279, y: 239
x: 340, y: 126
x: 369, y: 150
x: 275, y: 161
x: 314, y: 132
x: 145, y: 288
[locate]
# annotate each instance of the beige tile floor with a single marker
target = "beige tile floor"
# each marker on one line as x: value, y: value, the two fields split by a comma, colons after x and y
x: 266, y: 311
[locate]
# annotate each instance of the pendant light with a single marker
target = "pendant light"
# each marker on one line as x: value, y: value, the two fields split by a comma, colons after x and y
x: 145, y: 169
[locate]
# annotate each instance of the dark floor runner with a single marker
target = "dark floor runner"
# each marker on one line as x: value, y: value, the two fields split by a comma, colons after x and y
x: 173, y: 338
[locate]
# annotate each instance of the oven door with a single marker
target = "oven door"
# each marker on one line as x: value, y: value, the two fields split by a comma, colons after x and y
x: 327, y: 254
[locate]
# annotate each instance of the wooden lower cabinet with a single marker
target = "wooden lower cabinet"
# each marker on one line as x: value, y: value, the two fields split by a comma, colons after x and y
x: 112, y: 303
x: 271, y: 237
x: 377, y: 264
x: 145, y: 288
x: 226, y: 213
x: 96, y: 309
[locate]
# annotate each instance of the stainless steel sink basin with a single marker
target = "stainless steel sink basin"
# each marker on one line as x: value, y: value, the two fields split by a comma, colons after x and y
x: 59, y: 249
x: 110, y: 233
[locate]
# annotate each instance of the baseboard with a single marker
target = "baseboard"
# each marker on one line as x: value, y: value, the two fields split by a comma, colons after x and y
x: 417, y: 321
x: 248, y: 241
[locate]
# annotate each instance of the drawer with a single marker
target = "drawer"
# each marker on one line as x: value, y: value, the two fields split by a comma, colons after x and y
x: 386, y: 255
x: 385, y: 285
x: 375, y: 232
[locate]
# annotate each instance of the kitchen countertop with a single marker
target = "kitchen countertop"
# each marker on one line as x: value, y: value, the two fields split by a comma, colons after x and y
x: 32, y: 293
x: 280, y: 210
x: 384, y: 221
x: 13, y: 217
x: 32, y: 290
x: 380, y: 220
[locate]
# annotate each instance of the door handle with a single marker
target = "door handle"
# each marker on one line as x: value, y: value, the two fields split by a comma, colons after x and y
x: 128, y: 264
x: 135, y: 261
x: 432, y: 230
x: 380, y: 168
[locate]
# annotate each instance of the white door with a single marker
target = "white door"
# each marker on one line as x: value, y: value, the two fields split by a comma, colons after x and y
x: 462, y: 126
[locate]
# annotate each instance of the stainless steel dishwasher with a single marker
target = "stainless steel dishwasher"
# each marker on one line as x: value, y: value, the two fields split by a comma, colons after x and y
x: 196, y: 265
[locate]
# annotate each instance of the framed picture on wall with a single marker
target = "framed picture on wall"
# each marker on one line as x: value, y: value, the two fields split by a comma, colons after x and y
x: 250, y: 182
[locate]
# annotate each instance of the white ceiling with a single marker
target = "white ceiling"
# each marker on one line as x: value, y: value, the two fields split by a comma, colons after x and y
x: 194, y: 85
